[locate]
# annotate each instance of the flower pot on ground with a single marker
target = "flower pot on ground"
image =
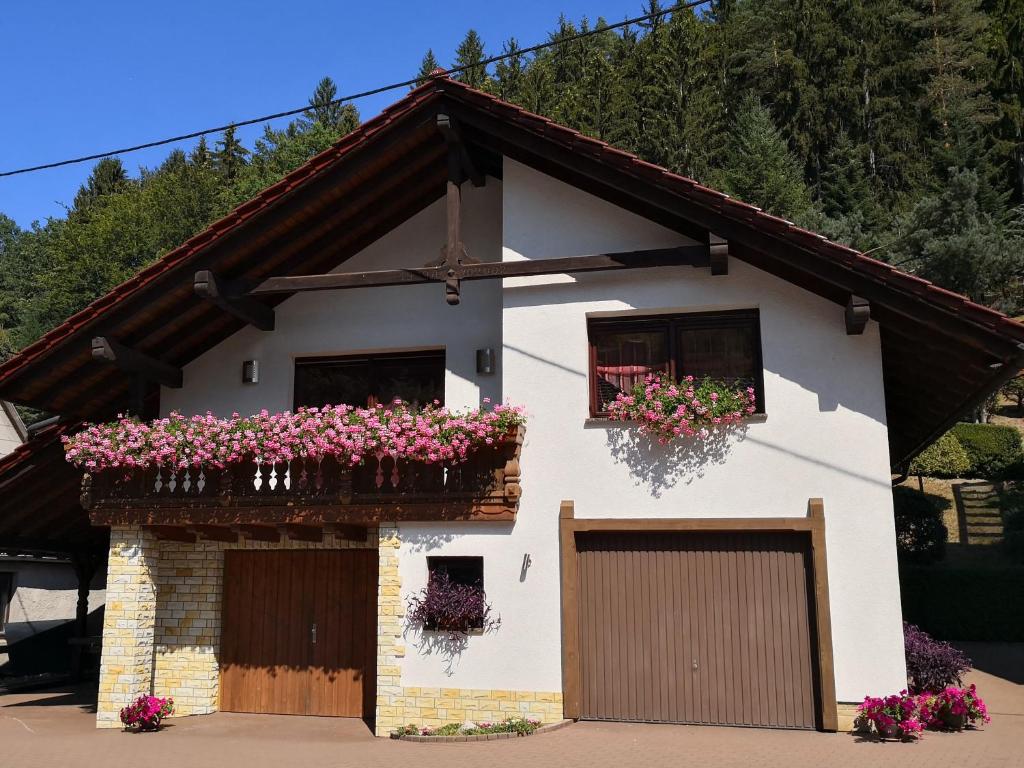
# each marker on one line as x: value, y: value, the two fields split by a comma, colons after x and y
x: 146, y: 713
x: 894, y: 716
x: 953, y: 709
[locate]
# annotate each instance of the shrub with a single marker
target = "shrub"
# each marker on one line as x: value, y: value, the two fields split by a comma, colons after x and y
x: 518, y: 724
x: 448, y: 606
x: 945, y: 457
x: 920, y: 532
x: 932, y: 665
x: 1014, y: 390
x: 994, y: 449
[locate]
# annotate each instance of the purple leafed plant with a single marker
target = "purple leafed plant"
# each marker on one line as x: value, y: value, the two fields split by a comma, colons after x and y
x: 932, y: 665
x: 447, y: 606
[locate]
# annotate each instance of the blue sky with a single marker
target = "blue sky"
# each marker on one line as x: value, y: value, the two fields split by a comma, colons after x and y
x: 80, y: 77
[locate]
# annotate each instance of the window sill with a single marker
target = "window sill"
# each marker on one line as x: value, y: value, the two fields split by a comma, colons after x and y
x: 603, y: 422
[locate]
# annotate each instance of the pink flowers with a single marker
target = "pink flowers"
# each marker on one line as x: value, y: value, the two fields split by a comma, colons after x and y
x: 905, y: 715
x: 665, y: 409
x: 429, y: 435
x: 146, y: 712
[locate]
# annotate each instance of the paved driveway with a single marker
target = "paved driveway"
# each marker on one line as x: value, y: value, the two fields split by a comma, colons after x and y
x: 56, y: 728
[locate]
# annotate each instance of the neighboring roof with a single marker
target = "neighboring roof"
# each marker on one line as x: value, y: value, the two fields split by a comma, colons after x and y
x: 39, y: 508
x: 941, y: 352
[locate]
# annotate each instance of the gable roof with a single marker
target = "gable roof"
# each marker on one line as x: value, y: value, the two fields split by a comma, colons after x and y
x: 941, y: 352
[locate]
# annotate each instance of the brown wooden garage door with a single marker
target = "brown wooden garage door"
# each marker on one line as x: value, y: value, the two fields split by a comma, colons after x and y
x: 299, y: 632
x: 701, y: 627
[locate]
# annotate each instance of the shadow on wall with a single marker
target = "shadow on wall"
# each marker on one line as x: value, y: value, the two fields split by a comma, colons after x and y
x: 660, y: 467
x: 49, y: 651
x: 449, y: 646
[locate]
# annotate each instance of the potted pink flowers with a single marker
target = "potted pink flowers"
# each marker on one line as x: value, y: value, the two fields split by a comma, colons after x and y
x: 953, y: 708
x: 893, y: 716
x: 146, y: 713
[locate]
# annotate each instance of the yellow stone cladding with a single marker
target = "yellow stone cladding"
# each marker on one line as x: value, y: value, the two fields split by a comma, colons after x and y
x: 162, y: 626
x: 438, y: 706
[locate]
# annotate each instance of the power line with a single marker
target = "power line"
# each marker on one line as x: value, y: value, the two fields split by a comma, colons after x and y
x: 362, y: 94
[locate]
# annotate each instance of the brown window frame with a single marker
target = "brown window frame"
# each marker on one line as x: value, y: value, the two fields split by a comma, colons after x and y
x: 370, y: 358
x: 671, y: 323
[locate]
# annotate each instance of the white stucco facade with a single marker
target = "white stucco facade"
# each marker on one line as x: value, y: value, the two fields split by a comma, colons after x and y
x: 824, y: 434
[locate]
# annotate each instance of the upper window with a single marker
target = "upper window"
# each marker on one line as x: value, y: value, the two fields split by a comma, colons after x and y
x: 367, y: 380
x: 720, y: 345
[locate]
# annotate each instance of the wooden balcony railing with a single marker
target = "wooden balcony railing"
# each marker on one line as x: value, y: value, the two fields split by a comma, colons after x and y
x: 484, y: 487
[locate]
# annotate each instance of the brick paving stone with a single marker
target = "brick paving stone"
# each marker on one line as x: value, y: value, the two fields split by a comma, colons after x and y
x: 57, y: 728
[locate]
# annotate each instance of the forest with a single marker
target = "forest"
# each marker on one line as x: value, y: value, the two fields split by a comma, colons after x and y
x: 894, y: 126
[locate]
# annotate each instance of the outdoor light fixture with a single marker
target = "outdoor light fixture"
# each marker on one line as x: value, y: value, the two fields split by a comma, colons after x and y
x: 250, y: 371
x: 485, y: 361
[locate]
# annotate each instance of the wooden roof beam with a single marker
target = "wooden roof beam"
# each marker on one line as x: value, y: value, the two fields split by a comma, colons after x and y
x: 132, y: 361
x: 718, y: 254
x: 232, y: 299
x: 686, y: 255
x: 858, y: 312
x: 464, y: 165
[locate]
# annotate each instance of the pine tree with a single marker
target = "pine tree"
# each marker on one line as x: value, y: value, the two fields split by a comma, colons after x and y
x: 508, y: 73
x: 427, y: 66
x: 1006, y: 53
x: 201, y: 154
x: 844, y: 186
x: 325, y: 109
x: 230, y: 156
x: 759, y: 167
x: 469, y: 54
x: 108, y: 177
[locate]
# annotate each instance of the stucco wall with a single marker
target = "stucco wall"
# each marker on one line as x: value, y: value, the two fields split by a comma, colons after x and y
x: 9, y: 436
x: 824, y: 434
x: 45, y: 595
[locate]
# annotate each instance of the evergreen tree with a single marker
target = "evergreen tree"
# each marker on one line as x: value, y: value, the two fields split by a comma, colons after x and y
x: 325, y: 109
x: 108, y: 177
x: 428, y: 65
x: 1006, y: 54
x: 230, y: 156
x: 759, y: 168
x: 950, y: 239
x: 469, y: 54
x: 508, y: 73
x: 844, y: 181
x: 201, y: 154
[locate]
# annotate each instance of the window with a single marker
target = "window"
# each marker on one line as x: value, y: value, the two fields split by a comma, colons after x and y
x: 722, y: 345
x: 6, y: 595
x: 416, y: 377
x: 465, y: 571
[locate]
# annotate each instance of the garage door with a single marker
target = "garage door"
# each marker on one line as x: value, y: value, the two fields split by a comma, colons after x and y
x: 299, y: 632
x: 711, y: 628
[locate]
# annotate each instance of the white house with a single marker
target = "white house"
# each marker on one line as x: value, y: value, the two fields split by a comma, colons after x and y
x: 750, y: 579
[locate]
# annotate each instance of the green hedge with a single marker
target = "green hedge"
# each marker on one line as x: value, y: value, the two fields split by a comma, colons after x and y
x: 994, y: 450
x: 945, y: 457
x: 965, y: 603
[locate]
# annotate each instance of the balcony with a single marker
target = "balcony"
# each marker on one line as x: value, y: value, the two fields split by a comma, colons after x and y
x: 311, y: 493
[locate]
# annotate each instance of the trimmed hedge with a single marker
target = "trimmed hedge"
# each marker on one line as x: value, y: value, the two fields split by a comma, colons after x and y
x: 945, y: 457
x: 994, y: 450
x: 965, y: 603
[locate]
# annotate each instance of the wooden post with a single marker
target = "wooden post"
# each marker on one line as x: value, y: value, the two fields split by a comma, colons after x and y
x: 85, y: 568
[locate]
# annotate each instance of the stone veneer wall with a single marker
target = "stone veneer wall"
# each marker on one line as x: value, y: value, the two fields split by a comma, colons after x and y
x: 161, y: 631
x: 129, y: 622
x: 398, y: 705
x: 162, y: 626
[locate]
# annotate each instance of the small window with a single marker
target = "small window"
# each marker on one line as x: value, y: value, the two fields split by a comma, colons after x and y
x: 466, y: 571
x: 415, y: 377
x: 720, y: 345
x: 6, y: 595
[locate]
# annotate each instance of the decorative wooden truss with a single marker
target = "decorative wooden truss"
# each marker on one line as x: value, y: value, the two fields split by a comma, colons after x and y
x: 306, y: 496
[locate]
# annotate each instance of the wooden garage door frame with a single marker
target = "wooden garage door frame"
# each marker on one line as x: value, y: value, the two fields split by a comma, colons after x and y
x: 813, y: 525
